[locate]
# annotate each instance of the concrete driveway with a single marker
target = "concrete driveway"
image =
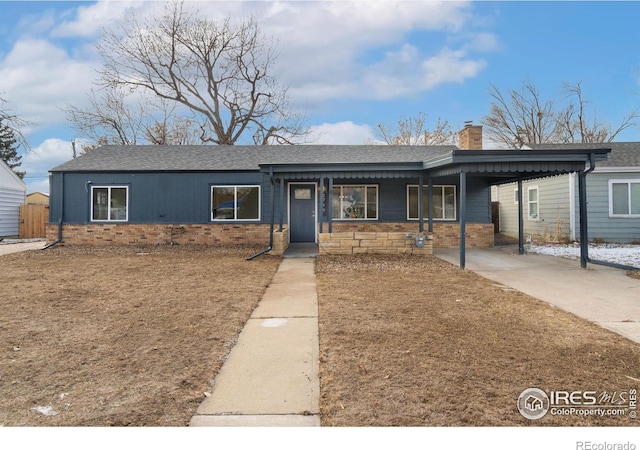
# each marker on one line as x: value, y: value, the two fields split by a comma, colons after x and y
x: 5, y: 249
x: 600, y: 294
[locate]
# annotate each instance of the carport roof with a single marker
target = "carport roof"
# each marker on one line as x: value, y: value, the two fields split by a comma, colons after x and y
x: 499, y: 166
x: 504, y: 166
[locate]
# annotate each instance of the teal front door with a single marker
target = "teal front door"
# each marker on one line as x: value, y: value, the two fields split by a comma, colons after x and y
x: 302, y: 212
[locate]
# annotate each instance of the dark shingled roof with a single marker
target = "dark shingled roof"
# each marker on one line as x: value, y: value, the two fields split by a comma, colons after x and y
x: 152, y: 158
x: 623, y: 154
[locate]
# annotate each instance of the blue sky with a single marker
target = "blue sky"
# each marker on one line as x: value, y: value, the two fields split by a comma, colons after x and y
x: 354, y: 64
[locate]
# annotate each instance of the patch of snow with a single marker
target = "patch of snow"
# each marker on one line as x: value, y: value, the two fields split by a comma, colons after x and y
x: 45, y: 410
x: 628, y: 255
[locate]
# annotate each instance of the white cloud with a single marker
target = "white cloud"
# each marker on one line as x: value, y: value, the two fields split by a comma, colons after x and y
x: 483, y: 42
x: 449, y: 66
x: 326, y: 47
x: 89, y: 20
x: 340, y: 133
x: 38, y: 77
x: 41, y: 159
x: 401, y: 73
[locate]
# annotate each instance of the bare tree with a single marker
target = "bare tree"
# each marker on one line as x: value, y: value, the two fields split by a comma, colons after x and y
x: 413, y: 131
x: 108, y: 119
x: 524, y: 117
x: 574, y: 124
x: 179, y: 131
x: 219, y: 69
x: 116, y: 116
x: 13, y: 123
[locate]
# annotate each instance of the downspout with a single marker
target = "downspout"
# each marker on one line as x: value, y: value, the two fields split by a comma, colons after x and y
x: 463, y: 218
x: 57, y: 241
x: 584, y: 234
x: 520, y: 218
x: 273, y: 218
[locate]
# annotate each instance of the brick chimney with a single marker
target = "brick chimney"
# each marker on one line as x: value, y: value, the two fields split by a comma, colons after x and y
x: 470, y: 137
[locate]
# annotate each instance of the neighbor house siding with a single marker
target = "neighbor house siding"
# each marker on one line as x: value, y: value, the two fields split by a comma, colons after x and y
x: 554, y: 218
x: 555, y: 209
x: 10, y: 201
x: 601, y: 226
x: 13, y: 193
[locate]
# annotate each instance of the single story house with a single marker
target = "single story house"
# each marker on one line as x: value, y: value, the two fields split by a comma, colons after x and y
x: 13, y: 192
x: 347, y: 199
x: 551, y: 208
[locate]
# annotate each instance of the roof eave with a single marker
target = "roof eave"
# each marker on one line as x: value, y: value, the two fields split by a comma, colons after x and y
x: 505, y: 156
x: 340, y: 167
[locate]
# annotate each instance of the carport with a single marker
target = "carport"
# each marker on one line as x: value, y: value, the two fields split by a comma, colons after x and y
x: 508, y: 166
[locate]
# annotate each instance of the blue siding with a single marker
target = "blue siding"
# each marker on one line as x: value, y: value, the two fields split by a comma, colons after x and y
x: 392, y: 198
x: 478, y: 201
x: 153, y: 197
x: 185, y: 197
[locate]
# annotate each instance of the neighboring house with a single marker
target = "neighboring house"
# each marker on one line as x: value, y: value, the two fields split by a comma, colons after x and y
x: 550, y: 205
x: 345, y: 199
x: 37, y: 198
x: 12, y: 194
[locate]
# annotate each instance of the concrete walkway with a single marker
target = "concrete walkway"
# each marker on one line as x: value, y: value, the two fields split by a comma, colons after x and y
x: 6, y: 249
x: 600, y: 294
x: 270, y: 377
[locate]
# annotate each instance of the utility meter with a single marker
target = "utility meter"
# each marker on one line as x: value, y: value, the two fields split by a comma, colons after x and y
x: 420, y: 241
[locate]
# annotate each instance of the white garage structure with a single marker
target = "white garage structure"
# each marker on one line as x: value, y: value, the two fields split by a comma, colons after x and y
x: 13, y: 193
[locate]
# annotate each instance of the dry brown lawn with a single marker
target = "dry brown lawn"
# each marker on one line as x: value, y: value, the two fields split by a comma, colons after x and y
x: 134, y: 336
x: 409, y: 341
x: 121, y: 335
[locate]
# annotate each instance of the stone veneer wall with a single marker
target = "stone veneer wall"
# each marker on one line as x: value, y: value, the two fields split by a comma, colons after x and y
x: 358, y: 242
x: 374, y: 237
x: 280, y: 241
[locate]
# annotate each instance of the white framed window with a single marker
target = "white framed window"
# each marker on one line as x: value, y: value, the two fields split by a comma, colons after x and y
x: 444, y: 202
x: 109, y: 203
x: 533, y: 203
x: 354, y: 202
x: 624, y: 198
x: 235, y: 203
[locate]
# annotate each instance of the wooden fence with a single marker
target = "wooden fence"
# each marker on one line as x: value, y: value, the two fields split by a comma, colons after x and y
x: 495, y: 216
x: 33, y: 218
